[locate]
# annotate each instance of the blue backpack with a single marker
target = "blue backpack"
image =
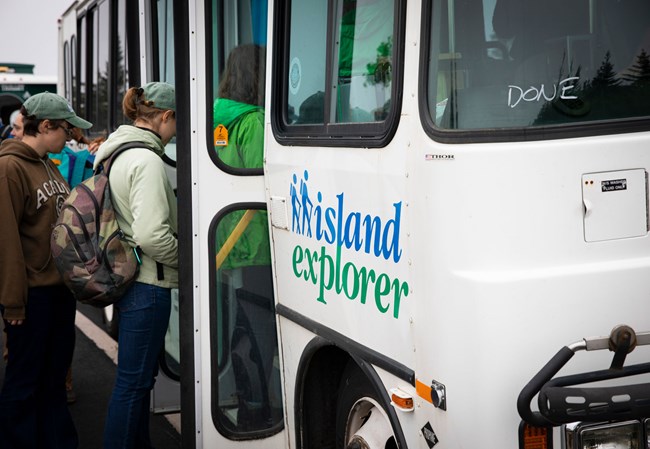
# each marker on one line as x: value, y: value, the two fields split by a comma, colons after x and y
x: 75, y: 166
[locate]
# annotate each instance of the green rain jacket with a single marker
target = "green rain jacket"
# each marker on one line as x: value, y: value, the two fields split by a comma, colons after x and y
x: 245, y: 125
x: 245, y: 149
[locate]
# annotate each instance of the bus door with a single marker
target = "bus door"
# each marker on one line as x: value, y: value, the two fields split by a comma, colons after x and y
x: 237, y: 385
x: 159, y: 66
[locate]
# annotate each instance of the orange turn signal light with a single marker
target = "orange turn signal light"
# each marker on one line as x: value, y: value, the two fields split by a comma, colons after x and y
x: 401, y: 400
x: 531, y: 437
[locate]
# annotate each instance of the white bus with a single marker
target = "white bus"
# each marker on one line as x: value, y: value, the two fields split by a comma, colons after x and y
x: 452, y: 202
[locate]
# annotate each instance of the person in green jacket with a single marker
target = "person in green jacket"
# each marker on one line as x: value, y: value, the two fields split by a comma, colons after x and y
x: 244, y: 259
x: 239, y: 108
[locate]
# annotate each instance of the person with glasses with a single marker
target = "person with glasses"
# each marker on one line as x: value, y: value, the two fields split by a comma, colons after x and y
x: 37, y: 308
x: 75, y: 166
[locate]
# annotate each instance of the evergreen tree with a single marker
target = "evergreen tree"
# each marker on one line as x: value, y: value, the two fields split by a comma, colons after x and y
x: 640, y: 71
x: 605, y: 76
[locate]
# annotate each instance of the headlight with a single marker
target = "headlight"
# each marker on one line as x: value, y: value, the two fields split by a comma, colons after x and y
x: 623, y: 435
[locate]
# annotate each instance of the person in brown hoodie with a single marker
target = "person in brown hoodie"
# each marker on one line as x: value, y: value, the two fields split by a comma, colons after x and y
x: 38, y: 310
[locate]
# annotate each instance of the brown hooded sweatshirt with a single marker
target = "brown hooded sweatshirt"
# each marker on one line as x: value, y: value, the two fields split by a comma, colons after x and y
x: 31, y: 194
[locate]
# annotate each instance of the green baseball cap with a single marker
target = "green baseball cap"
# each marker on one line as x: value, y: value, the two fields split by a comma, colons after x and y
x: 47, y: 105
x: 163, y: 95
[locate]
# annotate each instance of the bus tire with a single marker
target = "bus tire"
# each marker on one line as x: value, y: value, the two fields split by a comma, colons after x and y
x: 359, y: 415
x: 111, y: 321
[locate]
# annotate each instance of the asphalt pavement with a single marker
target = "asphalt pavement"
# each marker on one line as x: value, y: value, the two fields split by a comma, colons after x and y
x: 93, y: 375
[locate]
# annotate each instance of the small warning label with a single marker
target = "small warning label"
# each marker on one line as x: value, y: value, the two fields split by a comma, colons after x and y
x: 220, y: 136
x: 613, y: 185
x: 429, y: 435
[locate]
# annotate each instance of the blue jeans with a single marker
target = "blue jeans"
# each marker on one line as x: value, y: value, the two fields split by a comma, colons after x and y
x: 144, y: 316
x: 33, y: 409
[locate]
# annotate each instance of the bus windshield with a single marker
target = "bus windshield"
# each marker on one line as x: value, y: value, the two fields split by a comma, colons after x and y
x: 530, y: 63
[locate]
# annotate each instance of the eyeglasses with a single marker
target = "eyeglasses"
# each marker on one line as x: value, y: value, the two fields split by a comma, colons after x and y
x: 68, y: 130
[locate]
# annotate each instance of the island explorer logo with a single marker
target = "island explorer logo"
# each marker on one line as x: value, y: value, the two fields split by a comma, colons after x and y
x: 341, y: 231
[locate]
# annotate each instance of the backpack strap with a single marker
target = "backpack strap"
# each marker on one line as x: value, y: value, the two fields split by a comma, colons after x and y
x: 106, y: 165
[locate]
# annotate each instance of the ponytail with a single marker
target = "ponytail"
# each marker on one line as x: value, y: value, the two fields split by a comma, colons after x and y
x: 135, y: 106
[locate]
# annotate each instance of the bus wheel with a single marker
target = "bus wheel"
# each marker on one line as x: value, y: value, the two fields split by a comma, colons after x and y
x: 361, y: 422
x: 111, y: 321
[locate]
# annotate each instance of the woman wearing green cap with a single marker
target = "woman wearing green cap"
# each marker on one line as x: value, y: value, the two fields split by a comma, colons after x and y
x: 145, y: 205
x: 38, y: 310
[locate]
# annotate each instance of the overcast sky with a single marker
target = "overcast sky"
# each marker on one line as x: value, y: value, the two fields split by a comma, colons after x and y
x: 30, y: 33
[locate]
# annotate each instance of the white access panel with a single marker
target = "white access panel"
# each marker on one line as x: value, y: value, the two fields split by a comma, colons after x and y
x: 615, y: 205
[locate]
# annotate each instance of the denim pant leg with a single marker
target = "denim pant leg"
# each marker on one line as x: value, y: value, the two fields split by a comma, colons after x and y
x: 144, y: 316
x: 33, y: 408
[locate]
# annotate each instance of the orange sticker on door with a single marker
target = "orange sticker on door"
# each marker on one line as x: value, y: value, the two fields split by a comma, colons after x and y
x: 220, y: 136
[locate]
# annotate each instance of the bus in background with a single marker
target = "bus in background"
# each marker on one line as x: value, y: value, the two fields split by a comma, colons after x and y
x: 102, y: 54
x: 17, y: 84
x: 454, y: 202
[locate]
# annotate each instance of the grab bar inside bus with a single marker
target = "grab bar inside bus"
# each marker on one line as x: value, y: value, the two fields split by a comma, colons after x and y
x: 234, y: 236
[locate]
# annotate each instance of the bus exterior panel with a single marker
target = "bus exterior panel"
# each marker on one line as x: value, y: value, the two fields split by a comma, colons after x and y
x: 501, y: 270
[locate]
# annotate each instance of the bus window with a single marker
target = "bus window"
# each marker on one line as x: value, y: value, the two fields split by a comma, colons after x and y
x: 306, y: 94
x: 364, y: 64
x: 524, y: 63
x: 165, y: 33
x: 122, y: 77
x: 344, y: 61
x: 81, y: 91
x: 96, y: 77
x: 239, y: 61
x: 362, y: 67
x: 74, y: 73
x: 99, y: 116
x: 67, y: 70
x: 246, y: 392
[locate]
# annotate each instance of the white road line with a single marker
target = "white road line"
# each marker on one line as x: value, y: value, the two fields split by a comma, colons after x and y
x: 97, y: 335
x: 109, y: 346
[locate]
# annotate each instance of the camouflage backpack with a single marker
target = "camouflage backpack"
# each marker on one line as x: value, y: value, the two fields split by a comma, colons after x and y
x: 88, y: 246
